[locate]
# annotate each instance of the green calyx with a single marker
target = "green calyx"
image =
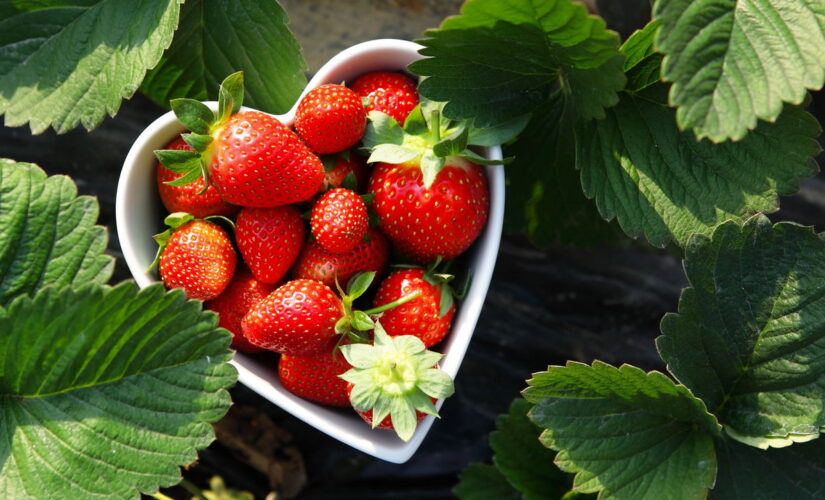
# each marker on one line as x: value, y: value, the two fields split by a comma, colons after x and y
x: 427, y: 138
x: 355, y: 324
x: 395, y: 376
x: 204, y: 124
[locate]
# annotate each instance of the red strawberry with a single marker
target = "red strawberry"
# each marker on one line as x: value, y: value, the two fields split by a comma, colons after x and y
x: 421, y: 316
x: 197, y: 256
x: 186, y: 198
x: 297, y: 319
x: 427, y: 222
x: 339, y: 220
x: 243, y: 292
x: 258, y: 162
x: 394, y: 94
x: 315, y: 263
x: 250, y: 157
x: 330, y: 118
x: 316, y: 377
x: 344, y: 165
x: 270, y: 239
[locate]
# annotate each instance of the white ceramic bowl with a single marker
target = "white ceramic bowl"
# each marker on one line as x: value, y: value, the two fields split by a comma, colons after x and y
x: 140, y: 214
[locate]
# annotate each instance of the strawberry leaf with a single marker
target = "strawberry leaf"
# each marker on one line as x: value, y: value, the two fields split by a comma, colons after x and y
x: 642, y: 63
x: 484, y: 482
x: 194, y: 115
x: 499, y: 134
x: 48, y: 235
x: 625, y: 433
x: 733, y: 62
x: 497, y: 61
x: 748, y: 336
x: 106, y: 392
x: 665, y: 185
x: 219, y: 37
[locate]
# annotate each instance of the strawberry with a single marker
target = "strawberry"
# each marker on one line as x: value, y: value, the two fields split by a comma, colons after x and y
x: 243, y: 292
x: 251, y: 158
x: 297, y: 319
x: 315, y: 263
x: 188, y: 197
x: 341, y: 166
x: 316, y: 377
x: 396, y: 378
x: 195, y: 255
x: 431, y: 195
x: 339, y: 220
x: 330, y: 118
x: 425, y: 222
x: 428, y: 317
x: 270, y: 239
x: 394, y: 94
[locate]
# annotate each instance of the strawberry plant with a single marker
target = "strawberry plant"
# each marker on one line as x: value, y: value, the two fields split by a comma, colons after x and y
x: 82, y: 364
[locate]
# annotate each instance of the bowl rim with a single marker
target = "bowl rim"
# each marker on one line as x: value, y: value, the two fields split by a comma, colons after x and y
x: 252, y: 373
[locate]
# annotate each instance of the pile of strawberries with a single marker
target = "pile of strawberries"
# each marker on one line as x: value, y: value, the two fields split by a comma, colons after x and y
x: 283, y: 233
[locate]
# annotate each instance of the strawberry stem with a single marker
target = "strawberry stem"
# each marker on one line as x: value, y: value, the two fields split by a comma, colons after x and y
x: 393, y: 304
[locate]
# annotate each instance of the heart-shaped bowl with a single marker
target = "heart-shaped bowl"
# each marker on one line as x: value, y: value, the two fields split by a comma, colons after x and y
x: 139, y: 214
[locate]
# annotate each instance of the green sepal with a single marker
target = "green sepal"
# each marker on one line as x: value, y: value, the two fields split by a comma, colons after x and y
x: 392, y: 153
x: 180, y: 161
x: 395, y: 376
x: 177, y: 219
x: 194, y: 115
x: 222, y: 218
x: 476, y: 158
x: 230, y: 96
x: 446, y: 301
x: 368, y: 199
x: 454, y: 143
x: 188, y: 177
x: 329, y: 162
x: 173, y: 221
x: 382, y: 129
x: 416, y: 124
x: 431, y: 165
x: 198, y: 142
x: 362, y: 321
x: 359, y: 284
x: 342, y: 326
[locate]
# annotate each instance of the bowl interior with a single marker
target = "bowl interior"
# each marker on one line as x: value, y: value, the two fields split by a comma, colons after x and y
x: 139, y: 214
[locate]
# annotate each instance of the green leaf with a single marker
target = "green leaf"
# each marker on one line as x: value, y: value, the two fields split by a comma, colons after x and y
x: 48, y: 235
x: 525, y: 463
x: 484, y: 482
x: 219, y: 37
x: 498, y: 60
x: 72, y: 62
x: 745, y: 473
x: 664, y: 184
x: 106, y: 392
x: 625, y: 433
x: 551, y: 206
x: 499, y: 134
x: 748, y: 338
x: 733, y: 61
x: 642, y: 63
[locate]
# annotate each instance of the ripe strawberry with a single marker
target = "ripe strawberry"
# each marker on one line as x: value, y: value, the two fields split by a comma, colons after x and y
x: 394, y: 94
x: 195, y: 255
x: 270, y: 239
x: 421, y: 316
x: 251, y: 158
x: 339, y: 220
x: 297, y: 319
x: 243, y: 292
x: 315, y: 263
x: 316, y: 377
x: 425, y: 222
x: 395, y: 381
x: 330, y: 118
x: 344, y: 165
x: 258, y: 162
x: 187, y: 198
